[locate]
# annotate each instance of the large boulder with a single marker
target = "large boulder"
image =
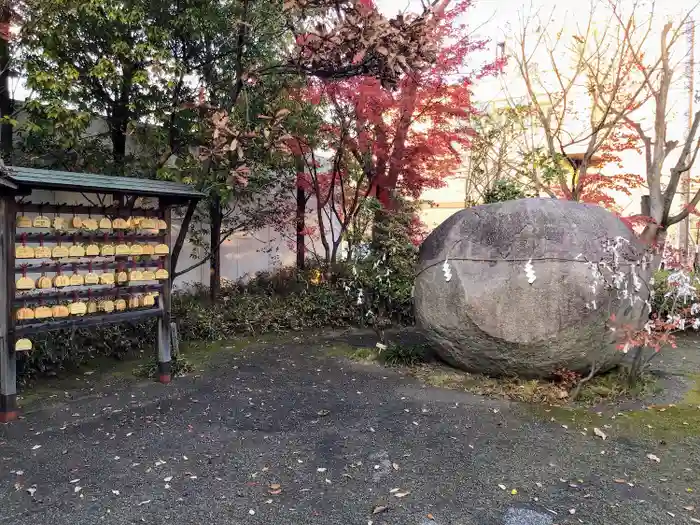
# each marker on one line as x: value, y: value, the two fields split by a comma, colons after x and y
x: 489, y: 318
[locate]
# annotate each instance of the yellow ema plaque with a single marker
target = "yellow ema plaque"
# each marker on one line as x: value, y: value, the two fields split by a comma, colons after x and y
x: 42, y: 252
x: 105, y: 224
x: 107, y: 278
x: 162, y: 274
x: 60, y: 310
x: 107, y: 250
x: 90, y: 224
x: 161, y: 249
x: 60, y: 252
x: 92, y: 250
x: 77, y: 280
x: 136, y: 249
x: 59, y: 223
x: 148, y: 300
x: 42, y: 312
x: 135, y: 275
x: 24, y: 314
x: 78, y: 308
x: 148, y: 224
x: 23, y: 345
x: 162, y: 225
x: 134, y: 302
x: 122, y: 249
x: 61, y: 281
x: 41, y: 222
x: 120, y: 305
x: 91, y: 307
x: 120, y: 224
x: 24, y: 283
x: 122, y: 277
x: 77, y: 222
x: 148, y: 275
x: 148, y: 249
x: 91, y: 278
x: 106, y: 306
x: 24, y: 222
x: 76, y: 251
x: 22, y: 251
x: 44, y: 282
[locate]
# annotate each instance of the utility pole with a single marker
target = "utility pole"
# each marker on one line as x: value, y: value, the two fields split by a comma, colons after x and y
x: 684, y: 236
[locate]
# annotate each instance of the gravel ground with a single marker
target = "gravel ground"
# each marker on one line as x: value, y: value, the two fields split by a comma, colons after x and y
x: 286, y: 433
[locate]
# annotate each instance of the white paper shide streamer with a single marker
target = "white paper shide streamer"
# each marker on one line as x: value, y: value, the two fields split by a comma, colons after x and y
x: 530, y: 272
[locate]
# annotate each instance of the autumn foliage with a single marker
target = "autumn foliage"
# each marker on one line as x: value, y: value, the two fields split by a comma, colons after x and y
x: 390, y: 143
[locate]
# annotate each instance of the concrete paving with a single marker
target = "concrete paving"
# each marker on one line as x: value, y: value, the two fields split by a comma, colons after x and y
x: 286, y: 433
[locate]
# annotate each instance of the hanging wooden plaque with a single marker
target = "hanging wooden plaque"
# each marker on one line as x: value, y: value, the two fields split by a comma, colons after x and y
x: 90, y: 224
x: 107, y: 250
x: 120, y: 305
x: 42, y: 252
x: 41, y: 221
x: 60, y: 310
x: 78, y: 308
x: 25, y: 283
x: 161, y: 249
x: 59, y: 223
x: 77, y: 280
x: 162, y: 274
x: 148, y: 275
x: 105, y: 224
x: 44, y: 283
x: 119, y: 224
x: 24, y: 314
x: 23, y: 345
x: 23, y: 251
x: 92, y: 250
x: 61, y: 281
x: 91, y: 279
x: 24, y: 222
x: 42, y: 312
x: 136, y: 250
x: 76, y: 251
x: 106, y: 278
x: 60, y: 252
x: 122, y: 249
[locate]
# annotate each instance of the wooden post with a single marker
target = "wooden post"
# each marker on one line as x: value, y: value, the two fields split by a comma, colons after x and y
x: 8, y: 368
x: 164, y: 336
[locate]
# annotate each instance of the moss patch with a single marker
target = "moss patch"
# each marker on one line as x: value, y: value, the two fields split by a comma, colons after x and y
x: 671, y: 423
x: 361, y: 354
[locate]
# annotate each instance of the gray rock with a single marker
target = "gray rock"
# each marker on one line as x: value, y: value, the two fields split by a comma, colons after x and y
x: 488, y: 318
x: 518, y: 516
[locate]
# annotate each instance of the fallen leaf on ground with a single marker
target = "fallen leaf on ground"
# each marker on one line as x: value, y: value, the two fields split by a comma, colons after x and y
x: 168, y: 479
x: 31, y: 491
x: 654, y: 458
x: 689, y: 508
x: 401, y: 494
x: 620, y: 480
x: 602, y: 435
x: 146, y: 502
x: 36, y: 447
x: 275, y: 486
x: 502, y: 487
x: 514, y: 492
x: 572, y: 511
x: 379, y: 509
x: 321, y: 469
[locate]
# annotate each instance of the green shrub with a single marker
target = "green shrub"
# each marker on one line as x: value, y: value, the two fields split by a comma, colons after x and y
x: 64, y: 349
x: 397, y: 354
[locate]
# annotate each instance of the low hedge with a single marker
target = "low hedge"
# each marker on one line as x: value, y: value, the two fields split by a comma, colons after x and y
x: 270, y: 303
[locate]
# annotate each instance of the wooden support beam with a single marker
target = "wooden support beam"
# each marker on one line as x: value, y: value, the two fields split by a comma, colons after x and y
x: 8, y: 366
x: 164, y: 334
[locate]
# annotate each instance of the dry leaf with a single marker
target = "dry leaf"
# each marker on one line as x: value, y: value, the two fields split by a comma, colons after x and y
x: 602, y: 435
x: 502, y: 487
x: 275, y: 486
x: 401, y: 494
x: 379, y: 509
x: 689, y: 508
x: 654, y: 458
x: 276, y: 492
x: 620, y: 480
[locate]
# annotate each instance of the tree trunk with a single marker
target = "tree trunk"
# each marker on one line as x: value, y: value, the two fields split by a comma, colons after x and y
x: 215, y: 248
x: 118, y: 128
x: 6, y: 102
x: 301, y: 225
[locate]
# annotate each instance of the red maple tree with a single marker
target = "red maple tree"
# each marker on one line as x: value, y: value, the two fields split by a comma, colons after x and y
x: 388, y: 143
